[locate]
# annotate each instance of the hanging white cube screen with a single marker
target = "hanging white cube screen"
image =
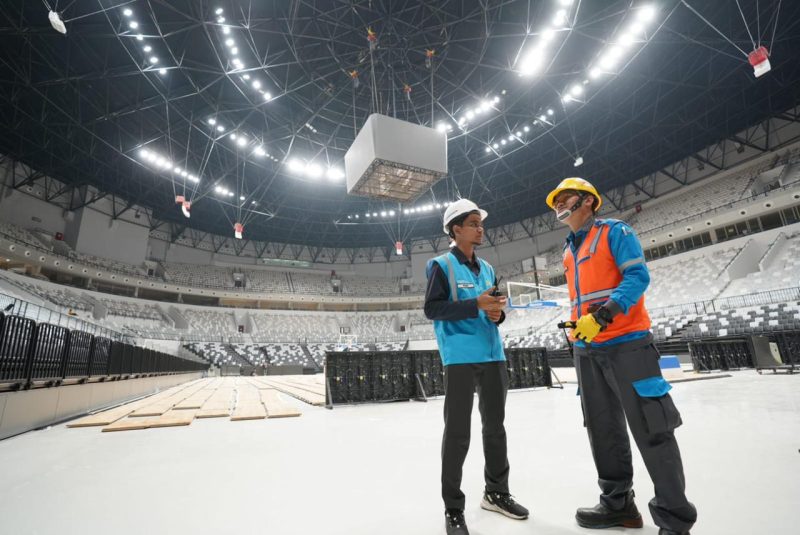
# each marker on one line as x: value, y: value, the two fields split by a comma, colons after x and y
x: 394, y: 159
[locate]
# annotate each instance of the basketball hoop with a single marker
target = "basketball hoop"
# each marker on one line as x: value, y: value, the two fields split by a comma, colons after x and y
x: 526, y: 295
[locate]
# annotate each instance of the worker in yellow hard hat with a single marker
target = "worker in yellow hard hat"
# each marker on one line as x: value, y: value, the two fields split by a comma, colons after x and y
x: 617, y: 365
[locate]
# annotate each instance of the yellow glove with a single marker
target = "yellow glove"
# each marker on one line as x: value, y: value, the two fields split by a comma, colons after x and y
x: 586, y: 328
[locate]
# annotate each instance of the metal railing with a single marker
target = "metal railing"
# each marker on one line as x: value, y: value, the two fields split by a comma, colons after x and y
x: 41, y: 314
x: 768, y: 297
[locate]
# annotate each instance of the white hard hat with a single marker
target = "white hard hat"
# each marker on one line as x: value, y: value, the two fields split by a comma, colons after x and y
x: 460, y: 207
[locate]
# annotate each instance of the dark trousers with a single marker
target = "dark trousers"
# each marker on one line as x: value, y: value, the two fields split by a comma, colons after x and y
x: 461, y: 380
x: 605, y: 377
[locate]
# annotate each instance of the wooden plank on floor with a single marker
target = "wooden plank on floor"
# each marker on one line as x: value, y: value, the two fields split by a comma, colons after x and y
x: 275, y: 406
x: 307, y: 385
x: 249, y: 411
x: 248, y: 403
x: 163, y: 405
x: 196, y: 400
x: 174, y: 418
x: 112, y: 415
x: 311, y: 398
x: 169, y: 419
x: 212, y: 413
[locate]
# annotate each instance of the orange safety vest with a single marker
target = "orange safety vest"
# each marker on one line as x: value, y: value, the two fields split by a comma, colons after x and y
x: 597, y: 277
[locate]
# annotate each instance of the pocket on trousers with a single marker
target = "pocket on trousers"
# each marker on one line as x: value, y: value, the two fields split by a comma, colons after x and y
x: 660, y: 413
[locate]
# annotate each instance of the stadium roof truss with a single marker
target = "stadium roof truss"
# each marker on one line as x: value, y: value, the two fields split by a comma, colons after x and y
x: 259, y: 101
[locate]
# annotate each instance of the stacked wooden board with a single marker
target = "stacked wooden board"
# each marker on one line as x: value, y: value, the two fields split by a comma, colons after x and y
x: 237, y: 398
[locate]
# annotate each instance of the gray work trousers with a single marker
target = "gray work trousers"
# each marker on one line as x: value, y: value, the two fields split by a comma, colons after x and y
x: 608, y: 398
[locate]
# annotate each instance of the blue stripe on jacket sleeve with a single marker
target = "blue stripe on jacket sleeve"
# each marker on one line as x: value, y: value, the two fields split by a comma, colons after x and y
x: 626, y: 249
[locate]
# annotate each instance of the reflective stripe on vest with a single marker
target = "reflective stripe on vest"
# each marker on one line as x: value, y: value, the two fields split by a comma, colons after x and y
x: 592, y: 296
x: 451, y: 278
x: 469, y: 340
x: 597, y: 277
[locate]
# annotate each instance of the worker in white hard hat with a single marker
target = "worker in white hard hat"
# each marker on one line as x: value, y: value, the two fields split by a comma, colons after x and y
x: 466, y: 308
x: 616, y: 362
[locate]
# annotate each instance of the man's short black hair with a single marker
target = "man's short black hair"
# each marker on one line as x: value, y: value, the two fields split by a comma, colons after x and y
x: 459, y: 221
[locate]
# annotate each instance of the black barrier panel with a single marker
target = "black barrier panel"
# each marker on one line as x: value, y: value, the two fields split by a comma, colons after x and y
x: 79, y: 350
x: 354, y: 377
x: 116, y: 358
x: 101, y: 348
x: 127, y: 359
x: 137, y: 359
x: 49, y: 351
x: 429, y: 372
x: 788, y: 343
x: 528, y: 367
x: 149, y: 361
x: 16, y: 339
x: 721, y: 354
x: 392, y: 376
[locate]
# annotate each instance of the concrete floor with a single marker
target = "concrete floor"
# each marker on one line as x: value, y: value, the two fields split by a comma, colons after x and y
x: 374, y: 469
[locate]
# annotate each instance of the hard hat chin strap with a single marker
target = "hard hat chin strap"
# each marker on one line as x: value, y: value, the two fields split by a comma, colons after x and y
x: 564, y: 214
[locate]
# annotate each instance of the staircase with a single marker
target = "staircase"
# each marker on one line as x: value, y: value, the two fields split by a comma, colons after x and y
x: 309, y: 359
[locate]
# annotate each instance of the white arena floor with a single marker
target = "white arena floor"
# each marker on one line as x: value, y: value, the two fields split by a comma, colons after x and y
x: 374, y: 469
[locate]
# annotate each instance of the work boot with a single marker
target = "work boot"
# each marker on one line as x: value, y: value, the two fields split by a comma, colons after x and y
x: 601, y: 517
x: 455, y: 523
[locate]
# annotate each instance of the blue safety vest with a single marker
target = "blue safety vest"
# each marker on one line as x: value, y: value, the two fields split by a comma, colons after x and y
x: 472, y: 340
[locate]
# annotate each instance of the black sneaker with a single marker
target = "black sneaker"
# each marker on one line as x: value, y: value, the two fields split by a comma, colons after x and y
x: 503, y: 503
x: 664, y: 531
x: 601, y: 517
x: 455, y: 523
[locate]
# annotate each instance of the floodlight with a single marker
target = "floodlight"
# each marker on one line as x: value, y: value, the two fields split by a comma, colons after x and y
x: 295, y: 165
x: 335, y: 173
x: 313, y: 170
x: 646, y: 14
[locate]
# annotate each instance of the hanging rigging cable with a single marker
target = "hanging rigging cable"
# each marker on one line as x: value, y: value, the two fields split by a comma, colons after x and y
x: 693, y: 10
x: 372, y: 38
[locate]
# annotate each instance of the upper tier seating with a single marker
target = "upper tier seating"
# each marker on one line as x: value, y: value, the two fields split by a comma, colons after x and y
x: 196, y: 275
x: 20, y: 235
x: 712, y: 194
x: 782, y: 272
x: 267, y: 281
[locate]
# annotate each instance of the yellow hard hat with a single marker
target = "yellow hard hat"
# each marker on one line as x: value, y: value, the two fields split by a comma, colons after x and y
x: 578, y: 184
